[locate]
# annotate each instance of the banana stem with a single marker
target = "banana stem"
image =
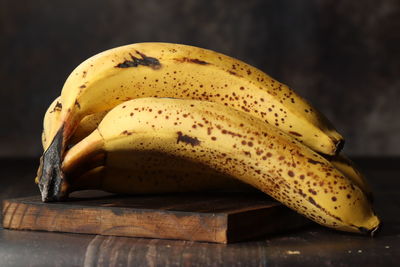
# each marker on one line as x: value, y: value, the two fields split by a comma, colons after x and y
x: 51, y: 178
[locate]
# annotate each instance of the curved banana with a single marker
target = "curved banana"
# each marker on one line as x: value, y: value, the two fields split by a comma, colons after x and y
x: 128, y: 176
x: 171, y: 70
x: 234, y: 143
x: 89, y: 123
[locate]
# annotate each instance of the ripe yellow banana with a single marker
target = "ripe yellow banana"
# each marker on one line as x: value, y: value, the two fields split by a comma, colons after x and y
x: 171, y: 70
x: 234, y: 143
x: 89, y: 123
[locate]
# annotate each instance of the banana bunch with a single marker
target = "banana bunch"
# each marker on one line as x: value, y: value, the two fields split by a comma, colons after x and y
x: 159, y: 117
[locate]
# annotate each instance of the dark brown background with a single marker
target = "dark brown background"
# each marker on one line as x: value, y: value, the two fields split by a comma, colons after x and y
x: 343, y: 56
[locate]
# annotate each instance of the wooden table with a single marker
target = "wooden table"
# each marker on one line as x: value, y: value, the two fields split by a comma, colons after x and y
x: 312, y: 246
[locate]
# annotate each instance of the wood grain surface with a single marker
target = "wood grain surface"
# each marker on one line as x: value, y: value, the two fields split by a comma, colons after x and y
x: 218, y: 217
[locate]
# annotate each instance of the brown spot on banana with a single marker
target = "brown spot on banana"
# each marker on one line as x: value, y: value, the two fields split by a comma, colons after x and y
x: 187, y: 139
x: 234, y: 73
x: 192, y: 60
x: 315, y: 161
x: 57, y: 107
x: 77, y: 104
x: 126, y: 133
x: 295, y: 133
x: 144, y: 61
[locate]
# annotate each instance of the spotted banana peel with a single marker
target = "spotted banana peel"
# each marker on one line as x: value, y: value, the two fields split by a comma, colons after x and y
x: 150, y: 165
x: 172, y: 70
x: 230, y: 142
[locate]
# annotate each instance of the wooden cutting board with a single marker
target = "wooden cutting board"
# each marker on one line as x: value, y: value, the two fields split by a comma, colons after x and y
x: 211, y: 217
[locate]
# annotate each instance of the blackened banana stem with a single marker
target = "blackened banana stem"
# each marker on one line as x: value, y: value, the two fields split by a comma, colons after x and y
x: 51, y: 177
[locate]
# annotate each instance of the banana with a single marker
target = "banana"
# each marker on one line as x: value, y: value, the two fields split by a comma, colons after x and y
x: 90, y: 123
x: 236, y: 144
x: 172, y: 70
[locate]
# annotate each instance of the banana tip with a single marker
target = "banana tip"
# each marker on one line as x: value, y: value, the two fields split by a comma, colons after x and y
x: 370, y: 232
x: 374, y: 231
x: 339, y: 146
